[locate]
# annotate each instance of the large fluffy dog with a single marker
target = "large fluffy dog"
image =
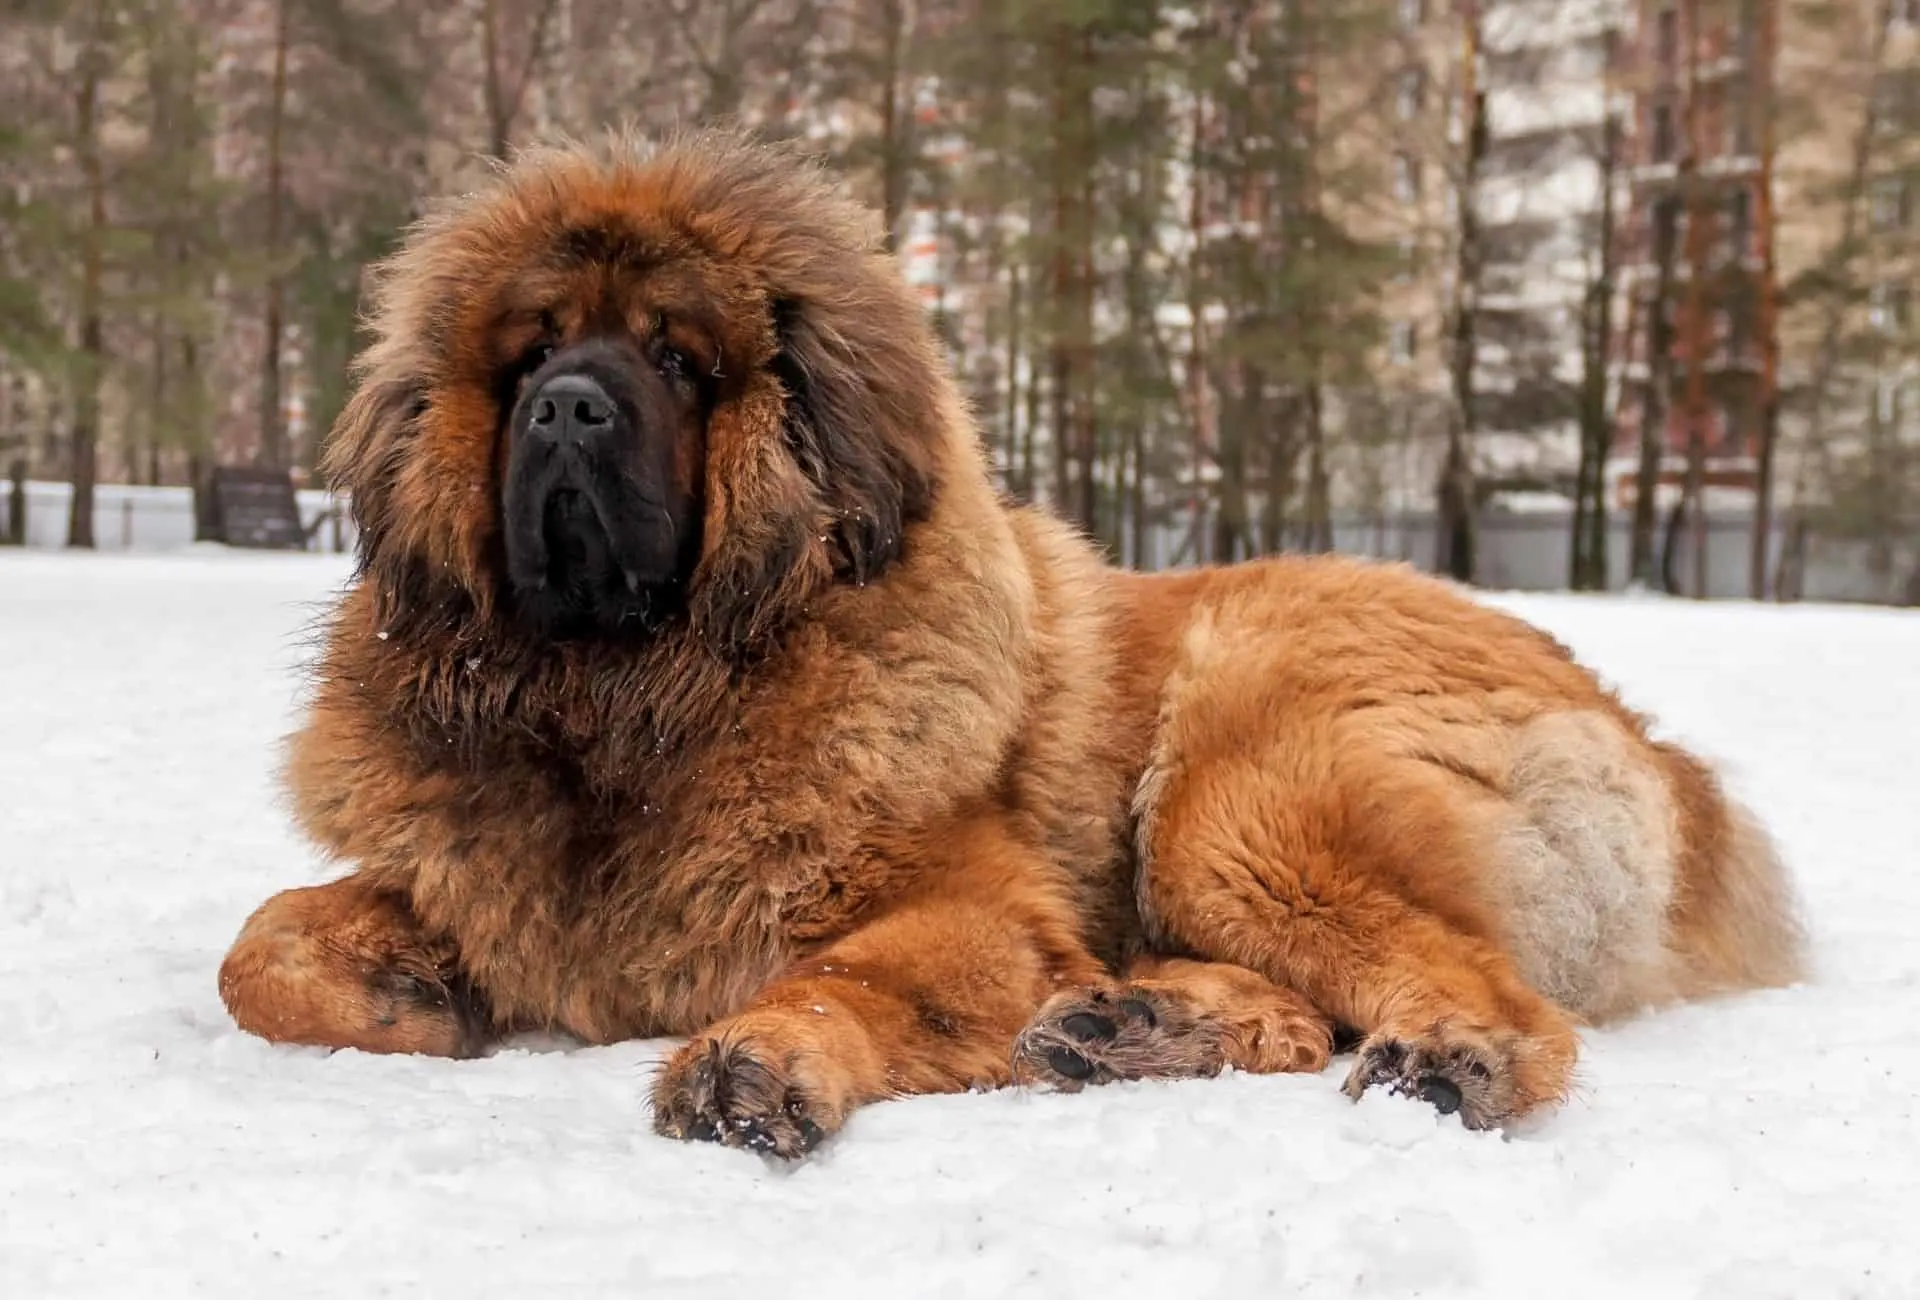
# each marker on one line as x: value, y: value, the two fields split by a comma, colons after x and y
x: 697, y: 682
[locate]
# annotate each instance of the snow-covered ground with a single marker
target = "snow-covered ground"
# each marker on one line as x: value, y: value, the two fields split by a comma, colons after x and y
x: 1764, y: 1147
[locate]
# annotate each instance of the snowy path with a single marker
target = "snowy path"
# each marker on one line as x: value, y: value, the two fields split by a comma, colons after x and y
x: 1763, y: 1148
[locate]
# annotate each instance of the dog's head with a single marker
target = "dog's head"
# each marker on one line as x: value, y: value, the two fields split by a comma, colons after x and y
x: 630, y: 387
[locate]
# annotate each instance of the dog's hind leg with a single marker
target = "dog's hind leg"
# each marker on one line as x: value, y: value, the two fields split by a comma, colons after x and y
x: 1320, y: 889
x: 345, y: 965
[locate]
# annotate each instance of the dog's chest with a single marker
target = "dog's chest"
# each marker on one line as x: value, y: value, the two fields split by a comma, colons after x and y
x: 652, y: 923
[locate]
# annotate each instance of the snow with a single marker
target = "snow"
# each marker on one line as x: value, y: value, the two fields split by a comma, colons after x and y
x: 1763, y: 1147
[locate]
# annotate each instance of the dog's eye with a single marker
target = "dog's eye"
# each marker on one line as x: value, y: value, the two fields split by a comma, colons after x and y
x: 674, y: 364
x: 530, y: 361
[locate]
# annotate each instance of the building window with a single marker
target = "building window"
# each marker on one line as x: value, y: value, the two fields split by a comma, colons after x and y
x: 1403, y: 265
x: 1412, y: 93
x: 1739, y: 224
x: 1886, y: 404
x: 1663, y: 133
x: 1732, y: 426
x: 1889, y: 203
x: 1668, y: 37
x: 1740, y: 134
x: 1402, y: 342
x: 1886, y: 104
x: 1406, y: 178
x: 1889, y: 306
x: 1739, y: 327
x: 1664, y: 213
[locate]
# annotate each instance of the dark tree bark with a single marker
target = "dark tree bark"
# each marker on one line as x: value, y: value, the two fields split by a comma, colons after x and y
x: 1318, y: 536
x: 16, y: 502
x: 1070, y: 288
x: 1693, y: 499
x: 272, y: 451
x: 1456, y: 501
x: 896, y: 119
x: 1587, y: 570
x: 86, y: 406
x: 1645, y: 551
x: 1769, y: 432
x: 1837, y: 273
x: 505, y: 95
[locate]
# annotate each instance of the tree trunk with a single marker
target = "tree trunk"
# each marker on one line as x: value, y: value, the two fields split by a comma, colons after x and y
x: 1644, y: 560
x: 15, y: 533
x: 894, y: 121
x: 504, y: 100
x: 200, y: 476
x: 1137, y: 496
x: 272, y: 451
x: 1694, y: 495
x: 1838, y: 265
x: 1769, y: 432
x: 1060, y: 293
x: 86, y: 406
x: 1317, y: 531
x: 1670, y: 548
x: 1587, y: 569
x: 1230, y: 518
x: 499, y: 129
x: 1019, y: 464
x: 1070, y: 288
x: 156, y: 405
x: 16, y: 502
x: 1203, y: 429
x: 1457, y: 506
x: 1086, y: 408
x: 1319, y: 508
x: 1279, y: 487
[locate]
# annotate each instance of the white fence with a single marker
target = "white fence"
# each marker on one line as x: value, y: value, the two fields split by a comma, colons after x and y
x: 152, y: 518
x: 1519, y: 551
x: 1529, y: 551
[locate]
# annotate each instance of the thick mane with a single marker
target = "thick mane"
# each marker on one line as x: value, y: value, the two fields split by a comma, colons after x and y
x: 818, y: 467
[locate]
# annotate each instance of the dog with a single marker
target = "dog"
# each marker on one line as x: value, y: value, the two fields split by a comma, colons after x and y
x: 696, y: 681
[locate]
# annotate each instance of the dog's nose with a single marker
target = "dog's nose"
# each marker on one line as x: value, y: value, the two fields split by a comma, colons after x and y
x: 570, y: 408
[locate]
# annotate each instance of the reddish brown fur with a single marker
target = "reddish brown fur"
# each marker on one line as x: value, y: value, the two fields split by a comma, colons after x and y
x: 915, y: 771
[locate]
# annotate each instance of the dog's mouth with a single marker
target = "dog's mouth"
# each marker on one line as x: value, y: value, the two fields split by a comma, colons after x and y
x: 576, y: 571
x: 576, y: 540
x: 569, y: 578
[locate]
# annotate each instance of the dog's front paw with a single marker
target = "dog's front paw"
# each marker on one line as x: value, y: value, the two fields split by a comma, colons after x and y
x: 751, y: 1090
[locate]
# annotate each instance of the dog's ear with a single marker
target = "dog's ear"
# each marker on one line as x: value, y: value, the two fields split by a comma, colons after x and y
x: 366, y: 452
x: 858, y: 416
x: 830, y: 496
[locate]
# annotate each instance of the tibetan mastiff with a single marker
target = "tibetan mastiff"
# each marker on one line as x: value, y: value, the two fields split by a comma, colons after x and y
x: 695, y: 681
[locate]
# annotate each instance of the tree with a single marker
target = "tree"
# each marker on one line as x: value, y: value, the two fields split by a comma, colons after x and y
x: 1826, y: 298
x: 1655, y: 396
x: 1768, y: 439
x: 1455, y: 498
x: 505, y: 88
x: 323, y: 65
x: 92, y: 67
x: 1587, y: 565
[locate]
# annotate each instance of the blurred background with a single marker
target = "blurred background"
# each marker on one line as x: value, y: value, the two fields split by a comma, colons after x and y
x: 1540, y: 293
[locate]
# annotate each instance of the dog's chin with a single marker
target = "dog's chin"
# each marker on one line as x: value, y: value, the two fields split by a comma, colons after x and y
x: 573, y: 581
x: 599, y: 607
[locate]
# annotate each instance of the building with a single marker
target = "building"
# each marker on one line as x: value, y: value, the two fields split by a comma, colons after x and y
x: 1546, y: 69
x: 1699, y: 335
